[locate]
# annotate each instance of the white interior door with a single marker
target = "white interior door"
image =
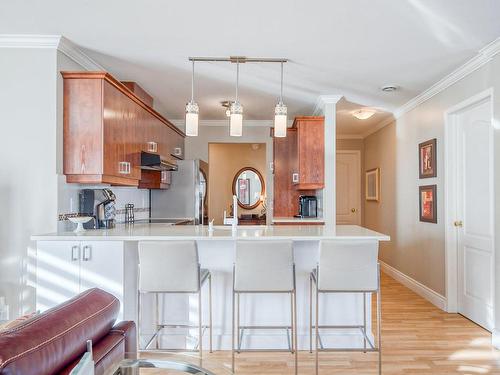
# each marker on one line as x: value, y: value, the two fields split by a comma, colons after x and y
x: 474, y: 169
x: 348, y: 186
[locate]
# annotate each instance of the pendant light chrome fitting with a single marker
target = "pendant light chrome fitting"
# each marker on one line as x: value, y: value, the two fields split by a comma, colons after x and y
x: 235, y: 111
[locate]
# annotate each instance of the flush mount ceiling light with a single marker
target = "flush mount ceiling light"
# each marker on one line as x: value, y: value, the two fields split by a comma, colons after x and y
x: 389, y: 88
x: 363, y: 114
x: 234, y: 109
x: 280, y: 113
x: 192, y: 111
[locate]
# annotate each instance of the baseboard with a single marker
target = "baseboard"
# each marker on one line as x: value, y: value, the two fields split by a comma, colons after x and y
x: 495, y: 338
x: 435, y: 298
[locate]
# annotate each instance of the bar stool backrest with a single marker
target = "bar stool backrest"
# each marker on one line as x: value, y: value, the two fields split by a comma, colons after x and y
x: 348, y: 265
x: 168, y: 266
x: 264, y: 266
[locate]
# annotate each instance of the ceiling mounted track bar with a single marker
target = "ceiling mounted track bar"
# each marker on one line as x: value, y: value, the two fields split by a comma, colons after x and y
x: 239, y: 59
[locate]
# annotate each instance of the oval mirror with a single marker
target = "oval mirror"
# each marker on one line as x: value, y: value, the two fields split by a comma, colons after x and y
x: 248, y: 186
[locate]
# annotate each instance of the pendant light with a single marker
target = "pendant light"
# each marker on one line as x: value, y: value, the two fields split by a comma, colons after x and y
x: 280, y: 113
x: 236, y: 110
x: 192, y: 111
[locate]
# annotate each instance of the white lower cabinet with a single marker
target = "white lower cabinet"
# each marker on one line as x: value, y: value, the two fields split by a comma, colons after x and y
x: 66, y: 268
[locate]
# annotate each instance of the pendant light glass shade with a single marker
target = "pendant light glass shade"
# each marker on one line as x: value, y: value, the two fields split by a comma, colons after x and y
x: 236, y: 120
x: 280, y: 120
x: 192, y: 111
x: 280, y: 113
x: 236, y: 110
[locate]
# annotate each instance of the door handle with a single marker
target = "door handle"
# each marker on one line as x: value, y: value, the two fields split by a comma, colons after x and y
x: 458, y: 223
x: 87, y: 253
x: 353, y: 210
x: 75, y: 253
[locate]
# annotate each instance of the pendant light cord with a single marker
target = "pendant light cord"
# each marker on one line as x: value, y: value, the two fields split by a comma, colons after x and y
x: 237, y: 77
x: 281, y: 90
x: 192, y: 84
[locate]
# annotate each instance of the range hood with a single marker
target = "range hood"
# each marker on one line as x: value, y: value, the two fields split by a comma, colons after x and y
x: 154, y: 162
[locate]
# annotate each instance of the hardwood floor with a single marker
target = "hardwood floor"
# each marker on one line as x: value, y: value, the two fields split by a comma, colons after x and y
x: 417, y: 338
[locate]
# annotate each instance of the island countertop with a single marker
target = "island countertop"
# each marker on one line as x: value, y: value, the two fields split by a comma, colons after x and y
x: 140, y: 232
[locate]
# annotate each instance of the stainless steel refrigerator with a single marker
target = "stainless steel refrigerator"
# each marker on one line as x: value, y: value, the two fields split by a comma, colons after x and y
x: 183, y: 200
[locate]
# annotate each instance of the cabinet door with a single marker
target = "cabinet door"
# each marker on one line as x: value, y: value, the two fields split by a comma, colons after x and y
x: 120, y: 124
x: 102, y: 267
x: 57, y: 272
x: 177, y: 144
x: 311, y: 154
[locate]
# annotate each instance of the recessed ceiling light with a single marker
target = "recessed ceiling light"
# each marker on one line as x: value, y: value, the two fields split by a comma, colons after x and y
x: 389, y: 88
x: 363, y: 114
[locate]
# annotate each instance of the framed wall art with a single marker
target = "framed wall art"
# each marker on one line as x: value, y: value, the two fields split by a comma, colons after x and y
x: 372, y: 185
x: 428, y: 205
x: 427, y: 159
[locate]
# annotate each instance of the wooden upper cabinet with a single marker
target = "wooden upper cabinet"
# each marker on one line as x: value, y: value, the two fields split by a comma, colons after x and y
x: 106, y: 126
x: 308, y: 159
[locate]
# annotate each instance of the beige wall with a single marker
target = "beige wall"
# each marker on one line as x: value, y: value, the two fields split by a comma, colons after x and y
x: 418, y: 249
x: 197, y: 148
x: 225, y: 160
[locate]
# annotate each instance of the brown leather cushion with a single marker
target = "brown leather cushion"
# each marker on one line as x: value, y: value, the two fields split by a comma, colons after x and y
x: 49, y: 342
x: 106, y: 353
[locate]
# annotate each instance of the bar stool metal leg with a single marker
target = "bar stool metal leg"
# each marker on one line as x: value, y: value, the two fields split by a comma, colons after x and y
x: 238, y: 329
x: 232, y: 327
x: 379, y: 324
x: 210, y: 308
x: 310, y: 315
x: 200, y: 326
x: 364, y: 322
x: 295, y: 332
x: 157, y: 316
x: 317, y: 328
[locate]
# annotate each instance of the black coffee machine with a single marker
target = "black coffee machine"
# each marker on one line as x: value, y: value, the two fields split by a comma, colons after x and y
x: 308, y: 206
x: 99, y: 204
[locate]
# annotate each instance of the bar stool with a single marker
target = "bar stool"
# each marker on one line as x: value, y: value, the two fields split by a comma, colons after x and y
x: 264, y: 267
x: 173, y: 267
x: 346, y: 267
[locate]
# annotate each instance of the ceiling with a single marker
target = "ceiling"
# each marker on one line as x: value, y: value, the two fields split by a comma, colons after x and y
x: 350, y: 127
x: 348, y: 47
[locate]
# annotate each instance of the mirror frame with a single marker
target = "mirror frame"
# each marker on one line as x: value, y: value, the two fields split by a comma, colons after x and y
x: 262, y: 190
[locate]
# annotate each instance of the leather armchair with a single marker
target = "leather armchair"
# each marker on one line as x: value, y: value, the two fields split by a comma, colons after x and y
x: 54, y: 341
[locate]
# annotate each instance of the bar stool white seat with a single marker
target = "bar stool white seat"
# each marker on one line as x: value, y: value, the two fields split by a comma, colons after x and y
x: 346, y: 267
x: 264, y: 267
x: 172, y: 267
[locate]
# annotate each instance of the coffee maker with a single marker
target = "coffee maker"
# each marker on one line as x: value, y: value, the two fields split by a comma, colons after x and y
x: 308, y: 206
x: 99, y: 204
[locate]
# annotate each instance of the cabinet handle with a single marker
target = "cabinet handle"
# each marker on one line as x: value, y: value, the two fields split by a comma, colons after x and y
x: 87, y: 253
x: 295, y: 178
x: 75, y: 253
x: 124, y: 167
x: 177, y: 151
x: 152, y: 147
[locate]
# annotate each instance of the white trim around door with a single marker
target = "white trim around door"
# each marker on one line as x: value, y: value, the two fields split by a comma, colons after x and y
x: 451, y: 193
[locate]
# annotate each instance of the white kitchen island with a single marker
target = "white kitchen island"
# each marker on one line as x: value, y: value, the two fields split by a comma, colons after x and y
x: 68, y: 263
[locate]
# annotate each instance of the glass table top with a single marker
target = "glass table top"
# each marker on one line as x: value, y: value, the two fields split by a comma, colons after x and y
x: 162, y: 363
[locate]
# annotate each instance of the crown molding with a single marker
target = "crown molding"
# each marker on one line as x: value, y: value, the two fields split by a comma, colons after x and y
x: 29, y: 41
x: 323, y: 100
x: 50, y: 41
x: 349, y: 136
x: 71, y: 50
x: 484, y: 56
x: 382, y: 124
